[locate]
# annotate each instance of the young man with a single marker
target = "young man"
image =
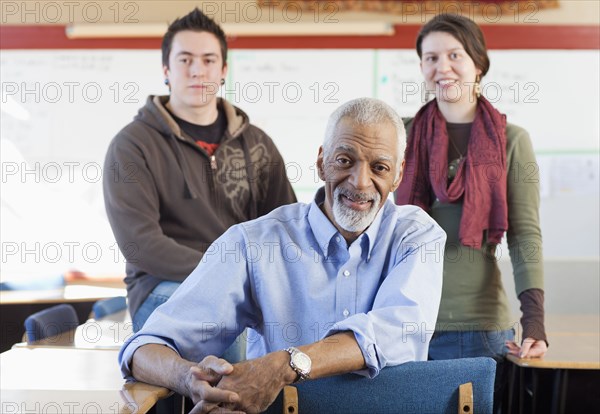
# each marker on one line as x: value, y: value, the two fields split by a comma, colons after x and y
x: 187, y: 168
x: 351, y: 279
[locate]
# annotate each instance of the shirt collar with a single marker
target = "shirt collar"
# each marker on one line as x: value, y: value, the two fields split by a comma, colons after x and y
x: 324, y: 230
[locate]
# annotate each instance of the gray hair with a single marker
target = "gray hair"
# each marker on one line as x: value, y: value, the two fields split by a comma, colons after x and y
x: 366, y: 111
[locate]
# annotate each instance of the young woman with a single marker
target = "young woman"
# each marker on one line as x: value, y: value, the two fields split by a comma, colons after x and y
x: 476, y: 175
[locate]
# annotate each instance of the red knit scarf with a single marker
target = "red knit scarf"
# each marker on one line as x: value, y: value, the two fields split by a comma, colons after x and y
x: 480, y: 178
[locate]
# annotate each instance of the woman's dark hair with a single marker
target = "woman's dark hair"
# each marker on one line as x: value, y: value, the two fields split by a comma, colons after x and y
x: 465, y: 30
x: 195, y: 21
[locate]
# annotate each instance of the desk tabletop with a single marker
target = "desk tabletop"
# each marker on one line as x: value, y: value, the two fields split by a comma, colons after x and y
x: 574, y: 344
x: 67, y: 294
x: 47, y: 379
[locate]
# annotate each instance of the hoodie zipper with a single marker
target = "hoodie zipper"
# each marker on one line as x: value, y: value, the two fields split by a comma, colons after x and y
x: 214, y: 185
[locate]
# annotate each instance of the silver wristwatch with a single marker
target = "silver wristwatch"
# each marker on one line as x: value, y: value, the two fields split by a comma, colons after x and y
x: 300, y: 362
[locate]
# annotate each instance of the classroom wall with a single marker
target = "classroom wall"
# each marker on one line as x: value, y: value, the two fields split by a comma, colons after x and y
x: 60, y: 222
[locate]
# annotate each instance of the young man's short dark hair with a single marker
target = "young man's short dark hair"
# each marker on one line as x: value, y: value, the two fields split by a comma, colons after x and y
x: 195, y: 21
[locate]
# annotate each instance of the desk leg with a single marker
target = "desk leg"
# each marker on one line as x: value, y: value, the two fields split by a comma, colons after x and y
x: 563, y: 390
x: 513, y: 388
x: 559, y: 390
x: 521, y: 389
x: 535, y: 393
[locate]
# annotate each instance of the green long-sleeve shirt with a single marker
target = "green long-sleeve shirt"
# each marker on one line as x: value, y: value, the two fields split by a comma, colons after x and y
x: 473, y: 296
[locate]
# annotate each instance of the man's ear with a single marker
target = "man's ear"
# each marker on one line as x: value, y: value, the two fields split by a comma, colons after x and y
x: 224, y: 70
x: 398, y: 180
x: 165, y: 71
x: 320, y: 166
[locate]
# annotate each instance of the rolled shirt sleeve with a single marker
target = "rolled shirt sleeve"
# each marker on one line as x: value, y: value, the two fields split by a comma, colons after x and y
x: 207, y: 312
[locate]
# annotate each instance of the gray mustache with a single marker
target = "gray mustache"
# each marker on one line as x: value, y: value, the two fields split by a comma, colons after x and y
x: 356, y: 196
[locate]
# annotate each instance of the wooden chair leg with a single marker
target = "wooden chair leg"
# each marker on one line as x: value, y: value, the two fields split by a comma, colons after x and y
x: 465, y: 398
x: 290, y: 400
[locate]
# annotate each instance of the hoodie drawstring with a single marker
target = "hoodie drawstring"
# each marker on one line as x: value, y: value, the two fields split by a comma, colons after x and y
x: 183, y: 165
x: 253, y: 212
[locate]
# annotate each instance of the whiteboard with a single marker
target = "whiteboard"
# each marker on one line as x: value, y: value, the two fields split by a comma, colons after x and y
x: 61, y: 108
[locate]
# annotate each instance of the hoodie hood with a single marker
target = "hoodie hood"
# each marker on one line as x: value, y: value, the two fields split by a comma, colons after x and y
x: 156, y: 115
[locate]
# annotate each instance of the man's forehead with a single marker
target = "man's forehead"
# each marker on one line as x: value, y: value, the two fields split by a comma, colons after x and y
x: 349, y: 134
x: 349, y: 125
x: 196, y: 43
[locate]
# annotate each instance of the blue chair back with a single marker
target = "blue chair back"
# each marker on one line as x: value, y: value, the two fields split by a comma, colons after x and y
x: 50, y: 322
x: 107, y: 306
x: 414, y: 387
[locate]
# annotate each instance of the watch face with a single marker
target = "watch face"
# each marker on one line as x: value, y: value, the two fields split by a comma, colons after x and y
x: 302, y: 361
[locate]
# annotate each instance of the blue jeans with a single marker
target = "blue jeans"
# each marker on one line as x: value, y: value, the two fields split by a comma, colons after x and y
x: 159, y: 295
x: 470, y: 344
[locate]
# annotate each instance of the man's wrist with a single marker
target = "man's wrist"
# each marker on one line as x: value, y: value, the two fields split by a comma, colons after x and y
x: 300, y: 363
x: 289, y: 376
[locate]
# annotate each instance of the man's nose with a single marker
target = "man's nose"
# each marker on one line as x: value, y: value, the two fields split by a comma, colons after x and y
x: 361, y: 176
x: 196, y: 68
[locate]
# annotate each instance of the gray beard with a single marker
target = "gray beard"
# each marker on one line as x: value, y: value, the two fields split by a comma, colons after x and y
x: 351, y: 220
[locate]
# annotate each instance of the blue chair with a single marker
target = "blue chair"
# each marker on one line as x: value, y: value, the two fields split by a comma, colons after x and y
x: 105, y: 307
x: 50, y: 322
x: 414, y: 387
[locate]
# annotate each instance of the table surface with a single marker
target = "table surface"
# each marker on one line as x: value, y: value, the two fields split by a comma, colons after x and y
x: 67, y: 294
x: 574, y: 343
x: 50, y: 379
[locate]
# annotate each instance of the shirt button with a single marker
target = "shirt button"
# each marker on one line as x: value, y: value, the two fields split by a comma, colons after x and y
x: 337, y: 239
x: 346, y: 312
x: 346, y: 273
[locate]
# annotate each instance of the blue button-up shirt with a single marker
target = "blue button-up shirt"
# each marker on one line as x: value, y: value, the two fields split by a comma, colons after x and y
x: 291, y: 278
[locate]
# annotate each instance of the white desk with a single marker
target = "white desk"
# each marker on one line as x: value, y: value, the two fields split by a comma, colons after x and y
x: 70, y: 380
x: 67, y: 294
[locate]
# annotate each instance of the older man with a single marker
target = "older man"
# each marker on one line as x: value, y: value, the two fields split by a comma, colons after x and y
x: 348, y: 283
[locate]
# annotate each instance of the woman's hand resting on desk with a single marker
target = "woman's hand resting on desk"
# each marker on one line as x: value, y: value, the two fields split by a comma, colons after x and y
x: 531, y: 348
